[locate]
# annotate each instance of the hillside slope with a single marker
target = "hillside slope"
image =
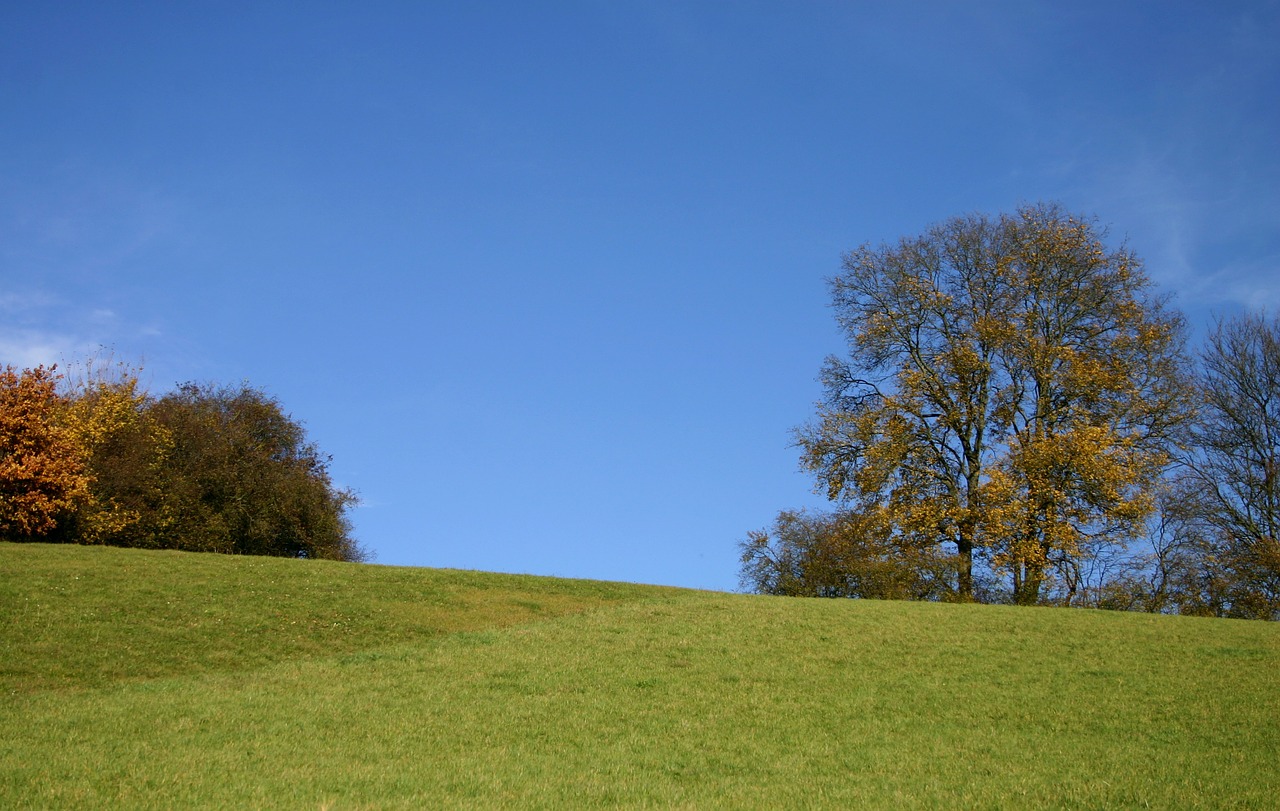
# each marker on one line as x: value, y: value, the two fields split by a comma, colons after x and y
x: 160, y: 680
x: 91, y: 616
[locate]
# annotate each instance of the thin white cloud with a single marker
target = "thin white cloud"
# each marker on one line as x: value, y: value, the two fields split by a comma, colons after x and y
x: 30, y: 348
x: 15, y: 303
x: 1201, y: 222
x: 1187, y: 174
x: 1187, y: 236
x: 1253, y: 284
x: 79, y: 219
x: 40, y: 328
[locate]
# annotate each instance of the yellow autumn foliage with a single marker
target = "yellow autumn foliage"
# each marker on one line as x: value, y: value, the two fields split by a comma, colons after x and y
x: 123, y: 450
x: 1011, y: 393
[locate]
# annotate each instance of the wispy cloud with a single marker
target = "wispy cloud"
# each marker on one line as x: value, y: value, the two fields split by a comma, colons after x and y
x: 1254, y: 284
x: 25, y: 348
x: 16, y: 303
x: 1198, y: 230
x: 40, y: 328
x: 88, y: 210
x: 1204, y: 222
x: 68, y: 235
x: 1178, y: 160
x: 1197, y: 242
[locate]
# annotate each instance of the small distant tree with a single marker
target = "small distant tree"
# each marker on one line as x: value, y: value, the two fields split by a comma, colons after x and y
x: 1181, y: 573
x: 41, y: 474
x: 241, y: 477
x: 1156, y: 576
x: 840, y: 555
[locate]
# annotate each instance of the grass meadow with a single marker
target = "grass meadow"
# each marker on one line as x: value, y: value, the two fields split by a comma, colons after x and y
x: 137, y: 679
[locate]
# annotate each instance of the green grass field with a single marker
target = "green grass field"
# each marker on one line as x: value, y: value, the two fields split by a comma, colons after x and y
x: 133, y: 679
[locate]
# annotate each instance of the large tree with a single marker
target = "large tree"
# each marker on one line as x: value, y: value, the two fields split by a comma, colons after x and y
x: 1009, y: 394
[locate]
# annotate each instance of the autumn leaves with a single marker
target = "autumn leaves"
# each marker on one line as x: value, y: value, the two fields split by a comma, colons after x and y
x: 1012, y: 400
x: 203, y: 468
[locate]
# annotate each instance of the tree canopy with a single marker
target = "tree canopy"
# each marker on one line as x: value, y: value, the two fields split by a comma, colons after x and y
x: 1010, y: 397
x: 244, y: 478
x: 202, y: 468
x: 41, y: 473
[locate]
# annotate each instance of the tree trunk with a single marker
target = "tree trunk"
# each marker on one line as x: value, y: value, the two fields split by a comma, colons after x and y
x: 964, y: 549
x: 1027, y: 592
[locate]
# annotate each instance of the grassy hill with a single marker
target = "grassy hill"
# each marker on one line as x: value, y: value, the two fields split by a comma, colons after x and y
x: 165, y: 680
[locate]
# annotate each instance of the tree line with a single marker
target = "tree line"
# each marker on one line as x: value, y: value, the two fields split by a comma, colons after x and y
x: 1018, y: 419
x: 94, y: 459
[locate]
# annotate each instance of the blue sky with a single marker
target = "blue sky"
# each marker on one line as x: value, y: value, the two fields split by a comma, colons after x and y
x: 548, y: 279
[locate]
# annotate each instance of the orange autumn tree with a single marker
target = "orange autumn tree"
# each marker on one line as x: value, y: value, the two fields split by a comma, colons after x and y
x: 1009, y: 397
x: 41, y: 473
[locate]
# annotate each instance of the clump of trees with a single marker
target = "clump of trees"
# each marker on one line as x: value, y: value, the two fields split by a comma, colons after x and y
x: 1017, y: 419
x: 97, y: 460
